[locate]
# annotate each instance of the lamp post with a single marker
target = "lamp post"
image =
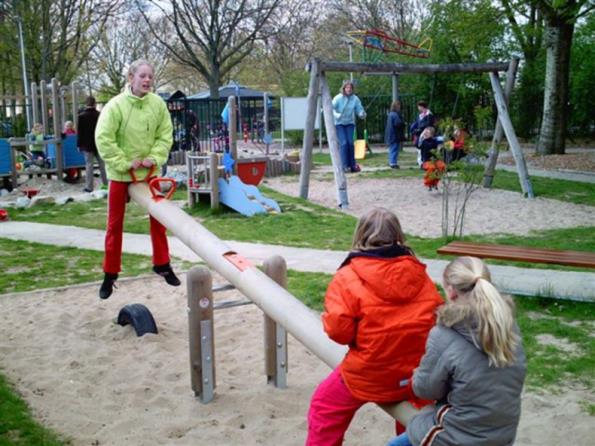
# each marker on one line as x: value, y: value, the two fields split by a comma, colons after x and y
x: 24, y: 67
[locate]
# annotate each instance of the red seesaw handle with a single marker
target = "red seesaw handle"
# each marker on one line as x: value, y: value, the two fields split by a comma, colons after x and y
x: 155, y: 186
x: 133, y: 175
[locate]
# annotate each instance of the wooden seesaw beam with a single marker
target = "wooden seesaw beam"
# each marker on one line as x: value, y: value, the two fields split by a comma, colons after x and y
x: 276, y: 302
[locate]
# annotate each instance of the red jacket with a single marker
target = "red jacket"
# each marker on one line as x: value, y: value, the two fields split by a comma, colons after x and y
x: 383, y: 308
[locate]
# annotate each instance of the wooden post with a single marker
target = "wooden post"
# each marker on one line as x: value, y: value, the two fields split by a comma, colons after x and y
x: 306, y: 156
x: 233, y: 131
x: 492, y: 160
x: 34, y: 109
x: 333, y: 144
x: 191, y: 195
x: 515, y: 147
x: 199, y: 285
x: 275, y: 336
x: 57, y: 128
x: 63, y: 113
x: 44, y: 106
x: 214, y: 179
x: 13, y: 163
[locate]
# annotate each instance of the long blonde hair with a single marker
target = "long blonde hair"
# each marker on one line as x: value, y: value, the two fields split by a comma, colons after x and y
x: 478, y: 298
x: 378, y: 228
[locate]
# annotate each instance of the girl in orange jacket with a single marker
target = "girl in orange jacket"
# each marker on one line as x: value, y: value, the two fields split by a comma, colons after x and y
x: 381, y: 303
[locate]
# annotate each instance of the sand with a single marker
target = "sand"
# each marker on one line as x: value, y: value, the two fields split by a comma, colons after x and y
x: 420, y: 211
x: 100, y: 384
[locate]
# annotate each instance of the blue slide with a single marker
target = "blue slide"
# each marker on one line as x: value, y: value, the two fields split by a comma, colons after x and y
x: 244, y: 198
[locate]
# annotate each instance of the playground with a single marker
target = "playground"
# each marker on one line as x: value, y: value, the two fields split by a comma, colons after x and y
x: 95, y: 382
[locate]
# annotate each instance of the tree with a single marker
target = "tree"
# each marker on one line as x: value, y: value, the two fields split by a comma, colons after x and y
x: 60, y: 35
x: 212, y: 37
x: 560, y: 17
x: 121, y: 43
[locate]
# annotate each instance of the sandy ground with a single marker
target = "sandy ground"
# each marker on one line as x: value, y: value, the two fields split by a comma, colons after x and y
x: 419, y: 210
x: 96, y: 382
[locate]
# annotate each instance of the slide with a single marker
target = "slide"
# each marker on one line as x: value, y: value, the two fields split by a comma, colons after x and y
x: 244, y: 198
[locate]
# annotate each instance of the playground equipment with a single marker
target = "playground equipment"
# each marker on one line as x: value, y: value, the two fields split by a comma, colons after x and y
x: 268, y: 295
x: 139, y: 317
x: 206, y: 176
x: 318, y: 70
x: 377, y: 40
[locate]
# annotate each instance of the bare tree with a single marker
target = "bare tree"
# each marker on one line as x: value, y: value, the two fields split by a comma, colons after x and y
x: 60, y: 35
x: 211, y: 36
x: 122, y: 42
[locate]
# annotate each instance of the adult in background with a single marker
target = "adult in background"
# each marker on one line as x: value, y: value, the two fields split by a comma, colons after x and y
x: 394, y: 133
x: 425, y: 119
x: 345, y: 106
x: 134, y: 137
x: 87, y: 122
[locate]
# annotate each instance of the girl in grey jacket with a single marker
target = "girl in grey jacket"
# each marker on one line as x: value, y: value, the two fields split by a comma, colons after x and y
x: 474, y: 366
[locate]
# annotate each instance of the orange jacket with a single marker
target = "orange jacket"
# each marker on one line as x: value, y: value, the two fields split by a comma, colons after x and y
x: 383, y: 308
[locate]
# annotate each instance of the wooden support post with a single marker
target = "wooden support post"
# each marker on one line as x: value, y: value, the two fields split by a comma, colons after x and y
x: 13, y: 162
x: 233, y: 131
x: 191, y: 195
x: 275, y: 336
x: 44, y: 106
x: 34, y: 109
x: 333, y: 144
x: 57, y: 128
x: 306, y: 156
x: 515, y: 147
x: 63, y: 113
x: 199, y: 284
x: 492, y: 160
x: 214, y: 179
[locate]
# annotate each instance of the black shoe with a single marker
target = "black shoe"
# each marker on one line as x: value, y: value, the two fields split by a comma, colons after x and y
x: 87, y: 190
x: 395, y: 166
x: 108, y: 285
x: 168, y: 274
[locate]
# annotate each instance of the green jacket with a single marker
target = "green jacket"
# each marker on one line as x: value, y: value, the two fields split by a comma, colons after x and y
x: 132, y: 128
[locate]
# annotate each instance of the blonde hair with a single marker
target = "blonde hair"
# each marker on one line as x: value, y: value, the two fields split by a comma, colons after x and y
x: 68, y: 124
x: 479, y: 299
x: 395, y: 106
x: 134, y: 66
x: 378, y: 228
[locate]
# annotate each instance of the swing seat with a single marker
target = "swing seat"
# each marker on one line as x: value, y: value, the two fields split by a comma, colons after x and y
x: 360, y: 149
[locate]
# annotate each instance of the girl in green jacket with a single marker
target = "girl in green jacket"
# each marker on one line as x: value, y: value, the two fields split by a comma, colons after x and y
x: 133, y: 137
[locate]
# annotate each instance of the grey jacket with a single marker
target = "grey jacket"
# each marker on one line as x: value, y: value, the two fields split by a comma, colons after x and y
x: 476, y: 405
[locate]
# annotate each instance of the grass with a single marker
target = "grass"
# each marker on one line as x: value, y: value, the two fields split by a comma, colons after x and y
x: 29, y: 266
x: 17, y: 426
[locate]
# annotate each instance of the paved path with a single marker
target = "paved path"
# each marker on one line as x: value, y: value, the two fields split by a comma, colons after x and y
x: 521, y: 281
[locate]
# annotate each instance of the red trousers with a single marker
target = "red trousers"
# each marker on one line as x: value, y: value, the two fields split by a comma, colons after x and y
x: 116, y: 207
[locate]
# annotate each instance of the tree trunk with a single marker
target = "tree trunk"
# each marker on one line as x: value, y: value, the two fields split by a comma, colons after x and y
x: 214, y: 81
x: 552, y: 135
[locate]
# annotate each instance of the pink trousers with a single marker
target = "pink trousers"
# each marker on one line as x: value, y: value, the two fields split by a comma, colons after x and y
x: 116, y: 207
x: 331, y: 410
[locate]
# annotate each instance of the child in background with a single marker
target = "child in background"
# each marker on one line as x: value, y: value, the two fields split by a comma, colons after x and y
x: 474, y: 366
x: 69, y: 128
x: 458, y: 144
x: 434, y: 167
x: 381, y: 303
x: 37, y: 149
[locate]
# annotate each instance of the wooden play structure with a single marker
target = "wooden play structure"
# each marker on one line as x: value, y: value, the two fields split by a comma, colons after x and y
x: 318, y: 82
x: 274, y: 300
x: 50, y: 105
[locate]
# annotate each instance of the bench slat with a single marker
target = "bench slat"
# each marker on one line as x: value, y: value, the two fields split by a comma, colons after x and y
x: 536, y: 255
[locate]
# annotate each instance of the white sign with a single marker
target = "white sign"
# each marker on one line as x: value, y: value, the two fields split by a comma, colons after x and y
x: 294, y: 113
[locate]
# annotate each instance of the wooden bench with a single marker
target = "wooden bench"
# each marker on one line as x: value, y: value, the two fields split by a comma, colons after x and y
x: 581, y: 259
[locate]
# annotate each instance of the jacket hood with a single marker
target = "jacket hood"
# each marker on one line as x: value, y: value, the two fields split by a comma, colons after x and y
x: 461, y: 319
x: 392, y: 279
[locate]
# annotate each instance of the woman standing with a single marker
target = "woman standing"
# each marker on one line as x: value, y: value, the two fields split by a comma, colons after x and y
x: 345, y: 106
x: 394, y: 134
x: 134, y: 137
